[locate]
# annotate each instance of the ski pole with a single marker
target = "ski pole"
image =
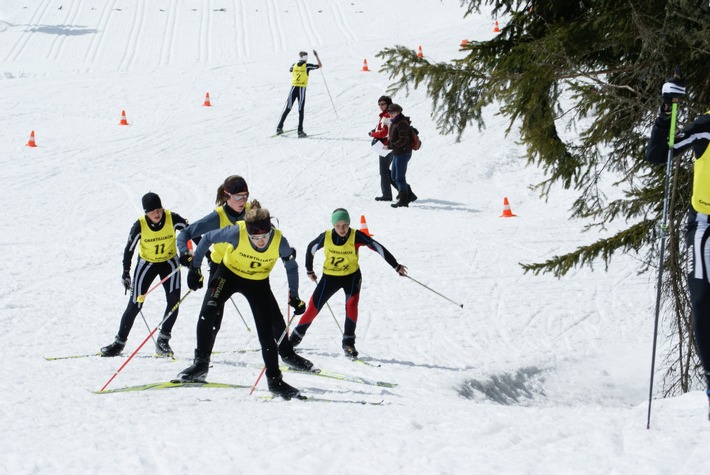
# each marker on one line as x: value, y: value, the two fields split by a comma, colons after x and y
x: 334, y: 318
x: 146, y: 325
x: 141, y: 298
x: 326, y: 87
x: 173, y: 310
x: 240, y: 314
x: 283, y: 335
x: 664, y: 224
x: 437, y: 293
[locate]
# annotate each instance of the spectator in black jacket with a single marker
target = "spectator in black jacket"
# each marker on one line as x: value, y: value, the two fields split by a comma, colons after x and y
x: 400, y: 142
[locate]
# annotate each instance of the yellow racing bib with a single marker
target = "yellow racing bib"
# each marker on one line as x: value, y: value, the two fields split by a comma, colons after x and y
x: 157, y: 246
x: 299, y: 75
x: 247, y: 262
x: 340, y: 260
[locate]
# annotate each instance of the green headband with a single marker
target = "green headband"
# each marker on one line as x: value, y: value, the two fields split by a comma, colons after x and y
x: 340, y: 215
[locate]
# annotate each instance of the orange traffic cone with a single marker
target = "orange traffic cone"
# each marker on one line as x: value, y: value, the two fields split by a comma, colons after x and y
x: 507, y: 213
x: 207, y: 100
x: 31, y: 142
x: 363, y: 226
x: 495, y: 28
x: 364, y: 66
x: 123, y: 119
x: 420, y: 54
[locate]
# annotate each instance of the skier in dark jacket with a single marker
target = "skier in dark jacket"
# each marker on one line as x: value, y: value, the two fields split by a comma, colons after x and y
x: 697, y: 137
x: 232, y: 196
x: 341, y: 270
x: 254, y: 246
x: 400, y: 142
x: 154, y: 235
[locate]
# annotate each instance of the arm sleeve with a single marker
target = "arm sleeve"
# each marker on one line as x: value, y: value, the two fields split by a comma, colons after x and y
x: 381, y: 132
x: 230, y: 235
x: 134, y: 237
x: 363, y: 239
x: 313, y: 247
x: 657, y: 148
x: 197, y: 229
x: 696, y: 134
x: 179, y: 223
x: 286, y: 252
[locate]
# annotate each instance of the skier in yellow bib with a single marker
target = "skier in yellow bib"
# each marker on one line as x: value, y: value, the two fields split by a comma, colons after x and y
x: 695, y: 137
x: 154, y: 235
x: 254, y: 247
x: 232, y: 205
x: 340, y: 271
x: 299, y: 81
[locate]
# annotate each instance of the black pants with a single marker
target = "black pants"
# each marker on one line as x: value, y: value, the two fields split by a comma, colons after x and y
x: 697, y: 236
x: 386, y: 182
x: 297, y: 92
x: 268, y: 318
x: 144, y: 275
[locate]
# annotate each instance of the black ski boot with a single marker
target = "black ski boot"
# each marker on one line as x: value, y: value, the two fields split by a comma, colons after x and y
x: 279, y: 130
x: 114, y: 349
x: 162, y: 346
x: 197, y: 373
x: 279, y: 387
x: 295, y: 338
x: 297, y: 362
x: 349, y: 346
x: 302, y: 134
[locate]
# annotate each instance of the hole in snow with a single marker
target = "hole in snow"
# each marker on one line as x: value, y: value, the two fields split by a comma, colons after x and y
x: 507, y: 389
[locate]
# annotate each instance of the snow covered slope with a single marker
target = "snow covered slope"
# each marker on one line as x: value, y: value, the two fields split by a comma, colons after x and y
x: 534, y: 375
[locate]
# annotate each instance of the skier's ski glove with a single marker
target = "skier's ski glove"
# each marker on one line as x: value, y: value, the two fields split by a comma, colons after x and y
x: 672, y: 91
x: 299, y: 306
x: 185, y: 259
x: 194, y: 278
x: 126, y: 280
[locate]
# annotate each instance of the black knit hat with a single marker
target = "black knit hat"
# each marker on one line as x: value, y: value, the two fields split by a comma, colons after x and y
x: 151, y: 201
x: 385, y: 99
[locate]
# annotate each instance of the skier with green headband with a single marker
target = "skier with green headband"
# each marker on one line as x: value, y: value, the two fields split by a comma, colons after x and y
x: 340, y: 271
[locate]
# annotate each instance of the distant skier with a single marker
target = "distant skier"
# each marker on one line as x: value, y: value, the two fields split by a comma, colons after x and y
x: 697, y: 136
x: 340, y: 271
x: 254, y: 246
x: 157, y: 256
x: 299, y: 81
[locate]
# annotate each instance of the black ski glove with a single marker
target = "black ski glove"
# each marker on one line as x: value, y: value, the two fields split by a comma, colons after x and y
x: 126, y: 279
x: 299, y: 306
x: 194, y: 278
x: 185, y: 259
x: 673, y: 90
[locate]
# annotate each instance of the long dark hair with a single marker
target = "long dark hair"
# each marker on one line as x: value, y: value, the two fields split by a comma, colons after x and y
x: 232, y: 185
